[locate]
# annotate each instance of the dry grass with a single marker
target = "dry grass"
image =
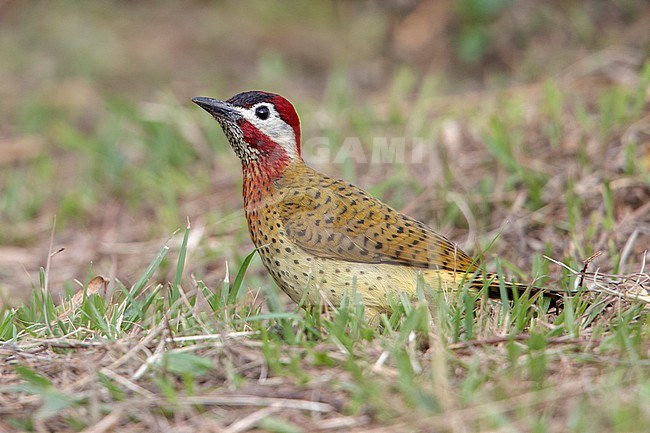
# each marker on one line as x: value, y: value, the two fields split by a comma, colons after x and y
x: 546, y: 176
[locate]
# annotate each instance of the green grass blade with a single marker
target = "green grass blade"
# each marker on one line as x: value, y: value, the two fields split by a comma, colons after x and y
x: 148, y: 273
x: 236, y: 285
x: 180, y: 265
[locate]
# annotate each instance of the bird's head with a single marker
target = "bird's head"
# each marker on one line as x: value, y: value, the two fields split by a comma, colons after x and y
x: 261, y: 127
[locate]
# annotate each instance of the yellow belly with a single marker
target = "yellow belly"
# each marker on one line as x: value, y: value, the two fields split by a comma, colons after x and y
x: 318, y: 281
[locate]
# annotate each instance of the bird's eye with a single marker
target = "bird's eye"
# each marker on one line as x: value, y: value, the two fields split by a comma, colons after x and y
x: 262, y: 112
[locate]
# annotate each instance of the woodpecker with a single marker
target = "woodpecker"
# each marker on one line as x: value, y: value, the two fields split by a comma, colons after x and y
x: 320, y: 237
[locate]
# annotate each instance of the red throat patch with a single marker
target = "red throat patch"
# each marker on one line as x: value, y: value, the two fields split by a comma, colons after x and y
x: 272, y: 158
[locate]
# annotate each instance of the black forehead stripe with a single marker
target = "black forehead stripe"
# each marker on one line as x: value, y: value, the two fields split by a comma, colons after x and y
x: 248, y: 99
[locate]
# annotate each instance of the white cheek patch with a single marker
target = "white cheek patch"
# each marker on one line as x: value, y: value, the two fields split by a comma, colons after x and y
x: 274, y: 127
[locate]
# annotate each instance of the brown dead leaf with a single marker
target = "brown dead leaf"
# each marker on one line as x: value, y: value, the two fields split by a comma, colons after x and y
x: 95, y: 286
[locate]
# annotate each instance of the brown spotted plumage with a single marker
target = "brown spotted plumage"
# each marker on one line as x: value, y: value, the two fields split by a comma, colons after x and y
x: 320, y: 237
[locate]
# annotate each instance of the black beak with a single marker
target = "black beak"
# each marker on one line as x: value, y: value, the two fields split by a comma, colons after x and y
x: 219, y: 109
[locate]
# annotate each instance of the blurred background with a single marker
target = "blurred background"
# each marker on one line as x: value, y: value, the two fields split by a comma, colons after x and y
x: 535, y: 115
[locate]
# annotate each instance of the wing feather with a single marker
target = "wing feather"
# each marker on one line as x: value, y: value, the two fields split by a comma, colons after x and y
x: 340, y: 221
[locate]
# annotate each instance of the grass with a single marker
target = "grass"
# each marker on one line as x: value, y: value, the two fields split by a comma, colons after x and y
x: 180, y: 351
x: 186, y: 332
x: 155, y: 354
